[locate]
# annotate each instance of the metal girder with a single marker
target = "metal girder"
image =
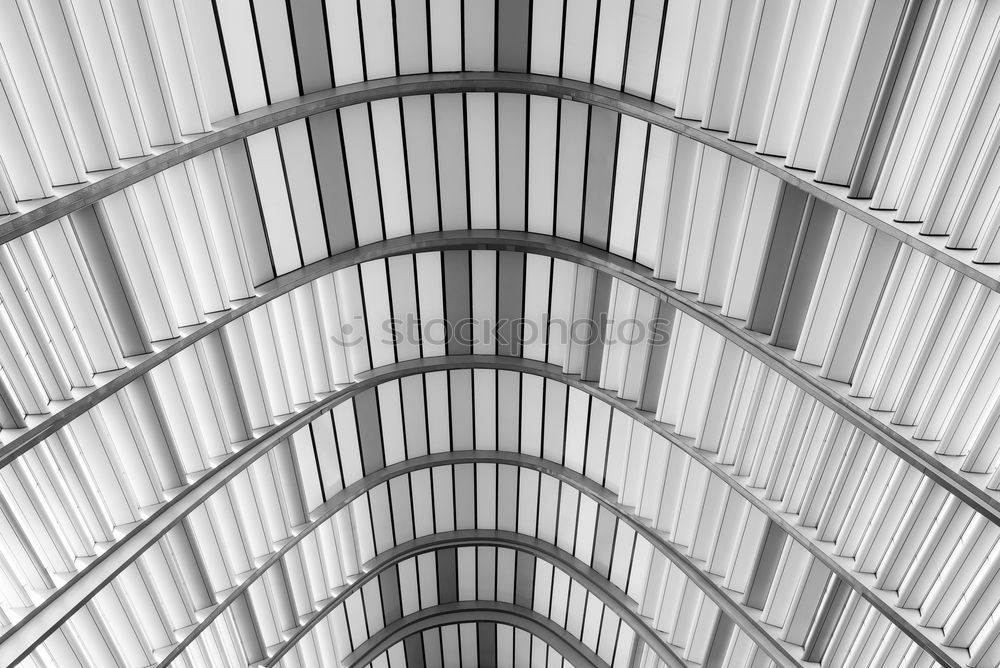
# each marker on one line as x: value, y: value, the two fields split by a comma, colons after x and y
x: 33, y: 630
x: 610, y: 595
x: 475, y: 611
x: 271, y: 116
x: 56, y: 609
x: 959, y: 483
x: 711, y: 586
x: 35, y: 627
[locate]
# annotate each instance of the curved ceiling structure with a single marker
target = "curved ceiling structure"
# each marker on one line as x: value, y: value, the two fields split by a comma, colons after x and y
x: 497, y: 612
x: 535, y: 332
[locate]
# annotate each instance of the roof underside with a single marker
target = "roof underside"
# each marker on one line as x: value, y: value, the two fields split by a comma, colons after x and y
x: 518, y: 333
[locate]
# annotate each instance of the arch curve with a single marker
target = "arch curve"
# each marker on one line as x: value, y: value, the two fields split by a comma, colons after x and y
x: 464, y: 611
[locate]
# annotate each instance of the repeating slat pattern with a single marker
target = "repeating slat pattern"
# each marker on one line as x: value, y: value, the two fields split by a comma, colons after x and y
x: 469, y: 574
x: 814, y: 281
x: 258, y: 511
x: 892, y: 101
x: 473, y: 644
x: 166, y: 254
x: 855, y: 91
x: 213, y: 396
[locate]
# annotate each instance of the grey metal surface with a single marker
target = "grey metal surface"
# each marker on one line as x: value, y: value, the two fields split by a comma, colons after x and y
x: 271, y: 116
x: 744, y: 617
x: 480, y: 611
x: 61, y: 605
x: 610, y: 595
x: 969, y: 487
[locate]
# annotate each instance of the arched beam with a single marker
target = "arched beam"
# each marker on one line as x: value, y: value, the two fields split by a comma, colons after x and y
x: 31, y: 631
x: 271, y: 116
x: 968, y: 487
x: 710, y: 585
x: 610, y: 595
x: 475, y: 617
x: 980, y: 499
x: 24, y: 636
x: 142, y: 365
x: 864, y: 584
x: 490, y: 661
x: 453, y: 539
x: 474, y: 611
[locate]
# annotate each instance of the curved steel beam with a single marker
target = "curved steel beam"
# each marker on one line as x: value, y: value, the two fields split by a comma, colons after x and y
x: 863, y: 583
x: 474, y: 611
x: 962, y: 484
x: 710, y: 585
x: 142, y: 365
x: 615, y: 266
x: 271, y: 116
x: 611, y: 596
x: 461, y: 538
x: 37, y: 625
x: 31, y: 631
